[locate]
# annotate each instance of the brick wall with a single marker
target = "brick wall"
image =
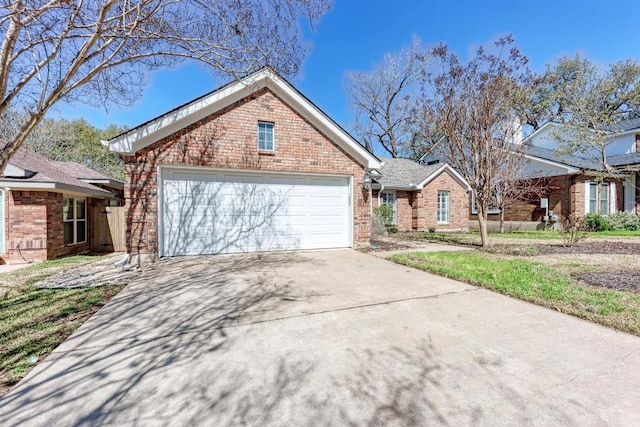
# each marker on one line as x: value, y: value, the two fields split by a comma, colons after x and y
x: 228, y: 139
x: 417, y: 210
x: 33, y: 227
x: 566, y: 194
x: 428, y: 204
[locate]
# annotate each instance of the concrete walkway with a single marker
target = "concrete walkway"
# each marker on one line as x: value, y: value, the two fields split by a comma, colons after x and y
x: 326, y: 338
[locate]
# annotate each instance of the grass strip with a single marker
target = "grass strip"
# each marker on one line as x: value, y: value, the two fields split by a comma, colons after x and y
x: 533, y: 282
x: 35, y: 321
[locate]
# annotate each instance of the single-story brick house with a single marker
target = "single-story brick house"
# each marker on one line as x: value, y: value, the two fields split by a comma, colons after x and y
x: 44, y: 207
x: 251, y: 166
x: 423, y: 197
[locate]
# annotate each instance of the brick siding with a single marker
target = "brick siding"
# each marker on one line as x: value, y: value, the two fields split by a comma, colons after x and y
x: 228, y: 139
x: 34, y: 227
x: 566, y: 194
x: 418, y: 210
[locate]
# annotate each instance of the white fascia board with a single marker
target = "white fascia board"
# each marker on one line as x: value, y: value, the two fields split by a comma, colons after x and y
x: 54, y: 187
x: 322, y: 121
x: 441, y: 169
x: 627, y: 132
x: 569, y: 169
x: 172, y: 122
x: 14, y: 171
x: 106, y: 181
x: 542, y: 129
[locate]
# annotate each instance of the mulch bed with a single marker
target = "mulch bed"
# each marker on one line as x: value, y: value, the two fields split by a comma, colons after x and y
x: 627, y: 280
x: 620, y: 280
x: 591, y: 247
x: 588, y: 247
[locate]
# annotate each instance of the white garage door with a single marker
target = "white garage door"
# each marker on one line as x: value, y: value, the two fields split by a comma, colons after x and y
x: 211, y: 212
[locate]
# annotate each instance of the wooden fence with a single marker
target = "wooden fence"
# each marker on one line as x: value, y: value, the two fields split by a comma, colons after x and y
x: 107, y: 229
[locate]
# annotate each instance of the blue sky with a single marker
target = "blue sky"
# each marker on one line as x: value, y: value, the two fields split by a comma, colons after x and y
x: 355, y: 34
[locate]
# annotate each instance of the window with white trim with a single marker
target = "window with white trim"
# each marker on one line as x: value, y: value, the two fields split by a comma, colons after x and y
x: 598, y: 197
x: 265, y: 136
x: 388, y: 198
x: 444, y: 207
x: 74, y: 216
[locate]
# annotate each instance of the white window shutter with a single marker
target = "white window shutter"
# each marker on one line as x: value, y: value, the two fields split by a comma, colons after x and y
x: 612, y: 198
x: 587, y: 194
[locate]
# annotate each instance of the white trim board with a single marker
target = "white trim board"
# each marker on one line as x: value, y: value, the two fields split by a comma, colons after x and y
x: 171, y: 122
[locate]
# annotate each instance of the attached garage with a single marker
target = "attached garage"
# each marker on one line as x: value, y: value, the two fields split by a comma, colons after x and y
x: 252, y: 166
x: 208, y: 211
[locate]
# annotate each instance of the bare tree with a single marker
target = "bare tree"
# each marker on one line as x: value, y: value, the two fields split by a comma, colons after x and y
x: 382, y: 99
x: 471, y: 109
x: 589, y: 100
x: 99, y: 52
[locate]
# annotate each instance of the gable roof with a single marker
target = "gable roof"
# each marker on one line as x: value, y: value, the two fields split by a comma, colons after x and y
x: 32, y: 171
x: 405, y: 174
x: 563, y: 159
x: 147, y: 133
x: 625, y: 126
x: 86, y: 174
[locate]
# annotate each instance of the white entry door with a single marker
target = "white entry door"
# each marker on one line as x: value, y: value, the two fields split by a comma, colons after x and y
x: 210, y: 212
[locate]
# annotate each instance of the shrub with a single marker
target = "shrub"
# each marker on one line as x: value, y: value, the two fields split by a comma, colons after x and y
x: 378, y: 228
x: 597, y: 222
x: 385, y: 213
x: 623, y: 221
x: 573, y: 229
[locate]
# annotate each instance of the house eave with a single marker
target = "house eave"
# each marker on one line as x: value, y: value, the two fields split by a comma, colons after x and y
x: 54, y: 187
x: 108, y: 182
x: 437, y: 172
x: 163, y: 126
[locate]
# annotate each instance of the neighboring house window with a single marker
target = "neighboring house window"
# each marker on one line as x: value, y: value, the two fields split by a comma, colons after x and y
x: 494, y: 207
x: 265, y: 136
x: 598, y: 201
x: 74, y: 215
x: 388, y: 198
x: 444, y: 207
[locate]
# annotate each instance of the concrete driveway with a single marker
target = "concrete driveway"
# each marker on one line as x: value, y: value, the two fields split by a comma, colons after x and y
x: 326, y: 338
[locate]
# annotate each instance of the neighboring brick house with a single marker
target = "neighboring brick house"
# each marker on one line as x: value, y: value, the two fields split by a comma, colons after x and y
x: 575, y: 184
x: 423, y: 197
x: 251, y: 166
x: 44, y: 207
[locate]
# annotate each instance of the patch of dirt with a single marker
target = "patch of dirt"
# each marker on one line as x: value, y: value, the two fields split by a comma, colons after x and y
x: 588, y: 247
x: 618, y: 280
x: 100, y: 273
x: 382, y: 244
x: 593, y: 247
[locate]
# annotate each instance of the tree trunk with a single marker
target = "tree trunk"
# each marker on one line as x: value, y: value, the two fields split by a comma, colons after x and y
x: 482, y: 222
x: 501, y: 221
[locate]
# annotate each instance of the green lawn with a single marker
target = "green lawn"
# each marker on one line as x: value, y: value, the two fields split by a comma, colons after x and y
x: 533, y: 282
x: 35, y: 321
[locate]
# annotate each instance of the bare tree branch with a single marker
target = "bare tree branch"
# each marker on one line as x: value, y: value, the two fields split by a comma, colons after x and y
x: 100, y: 52
x: 382, y: 99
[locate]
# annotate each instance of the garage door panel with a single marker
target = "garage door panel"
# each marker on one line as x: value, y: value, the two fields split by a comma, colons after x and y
x: 211, y: 212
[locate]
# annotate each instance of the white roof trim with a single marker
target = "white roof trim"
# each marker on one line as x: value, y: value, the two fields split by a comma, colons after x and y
x: 171, y: 122
x: 569, y: 169
x: 441, y: 169
x: 54, y: 187
x: 14, y: 171
x: 536, y: 132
